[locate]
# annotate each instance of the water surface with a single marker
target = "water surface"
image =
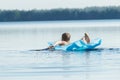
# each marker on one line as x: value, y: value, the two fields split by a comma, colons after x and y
x: 18, y: 62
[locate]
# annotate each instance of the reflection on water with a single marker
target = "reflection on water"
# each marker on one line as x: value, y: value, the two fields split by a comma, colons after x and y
x: 18, y: 62
x: 87, y: 65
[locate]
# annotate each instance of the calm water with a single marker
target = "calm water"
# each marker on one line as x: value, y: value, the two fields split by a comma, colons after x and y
x: 17, y: 62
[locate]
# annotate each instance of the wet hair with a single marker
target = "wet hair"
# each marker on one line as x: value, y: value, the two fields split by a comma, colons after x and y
x: 66, y: 36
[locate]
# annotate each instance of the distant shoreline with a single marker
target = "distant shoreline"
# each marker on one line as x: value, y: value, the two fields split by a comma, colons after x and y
x: 64, y: 20
x: 90, y: 13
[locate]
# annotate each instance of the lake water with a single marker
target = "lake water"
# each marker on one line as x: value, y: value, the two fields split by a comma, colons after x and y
x: 17, y: 62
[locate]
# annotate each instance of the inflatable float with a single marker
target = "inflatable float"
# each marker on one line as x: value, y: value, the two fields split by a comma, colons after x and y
x: 78, y: 45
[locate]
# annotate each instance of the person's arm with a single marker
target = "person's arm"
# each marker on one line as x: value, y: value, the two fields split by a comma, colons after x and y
x: 56, y: 43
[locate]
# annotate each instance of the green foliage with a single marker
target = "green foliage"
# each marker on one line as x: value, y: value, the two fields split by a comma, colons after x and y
x: 61, y: 14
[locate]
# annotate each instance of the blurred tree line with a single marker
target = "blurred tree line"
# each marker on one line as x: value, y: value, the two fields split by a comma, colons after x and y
x: 61, y: 14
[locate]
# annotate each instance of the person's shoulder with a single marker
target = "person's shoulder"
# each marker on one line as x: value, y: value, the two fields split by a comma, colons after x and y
x: 65, y: 42
x: 62, y: 42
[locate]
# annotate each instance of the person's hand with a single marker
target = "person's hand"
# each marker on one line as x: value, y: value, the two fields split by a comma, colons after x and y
x: 50, y: 47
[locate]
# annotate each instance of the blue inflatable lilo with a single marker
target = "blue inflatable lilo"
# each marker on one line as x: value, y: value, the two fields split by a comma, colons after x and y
x: 78, y: 45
